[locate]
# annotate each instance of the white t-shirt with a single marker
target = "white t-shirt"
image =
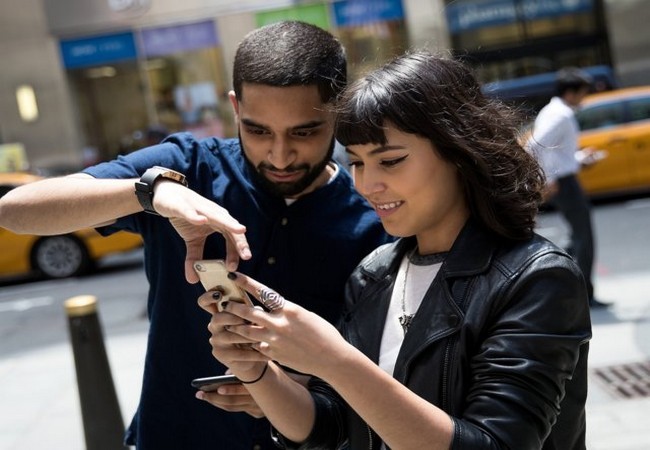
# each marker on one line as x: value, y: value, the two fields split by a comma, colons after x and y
x: 554, y: 141
x: 422, y: 271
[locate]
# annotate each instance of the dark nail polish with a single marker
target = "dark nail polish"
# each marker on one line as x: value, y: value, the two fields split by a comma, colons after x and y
x: 232, y: 275
x: 217, y: 295
x: 224, y: 305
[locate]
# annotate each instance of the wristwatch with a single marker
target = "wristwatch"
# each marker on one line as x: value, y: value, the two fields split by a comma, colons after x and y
x: 144, y: 187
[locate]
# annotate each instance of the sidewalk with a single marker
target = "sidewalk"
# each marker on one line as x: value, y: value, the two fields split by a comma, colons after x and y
x: 621, y: 335
x: 40, y: 401
x: 39, y: 406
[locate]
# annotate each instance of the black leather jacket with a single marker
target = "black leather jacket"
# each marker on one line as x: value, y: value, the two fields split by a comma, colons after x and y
x: 500, y: 343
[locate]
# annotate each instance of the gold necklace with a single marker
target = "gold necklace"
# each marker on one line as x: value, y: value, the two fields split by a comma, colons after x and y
x: 405, y: 319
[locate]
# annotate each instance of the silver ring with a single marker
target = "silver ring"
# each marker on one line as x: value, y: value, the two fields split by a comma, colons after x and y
x: 271, y: 299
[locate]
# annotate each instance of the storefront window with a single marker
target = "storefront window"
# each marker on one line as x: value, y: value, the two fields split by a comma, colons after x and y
x: 185, y: 71
x: 371, y: 45
x: 190, y: 93
x: 111, y: 108
x: 516, y: 46
x: 515, y: 38
x: 521, y: 30
x: 107, y: 92
x: 372, y: 32
x: 131, y: 90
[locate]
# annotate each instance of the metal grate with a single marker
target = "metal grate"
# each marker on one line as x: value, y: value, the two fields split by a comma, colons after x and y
x: 625, y: 380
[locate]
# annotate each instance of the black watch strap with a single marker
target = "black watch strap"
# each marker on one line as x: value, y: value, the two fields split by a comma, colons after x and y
x: 144, y: 187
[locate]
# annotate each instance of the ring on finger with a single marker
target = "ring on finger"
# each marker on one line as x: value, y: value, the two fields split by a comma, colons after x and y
x: 271, y: 299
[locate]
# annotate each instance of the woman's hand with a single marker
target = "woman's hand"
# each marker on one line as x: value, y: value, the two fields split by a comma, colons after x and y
x: 290, y: 335
x: 231, y: 349
x: 235, y: 352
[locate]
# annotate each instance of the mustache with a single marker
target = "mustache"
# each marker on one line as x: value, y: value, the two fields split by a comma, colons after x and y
x: 290, y: 169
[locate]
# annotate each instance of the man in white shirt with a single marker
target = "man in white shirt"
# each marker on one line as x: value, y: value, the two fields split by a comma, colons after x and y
x: 555, y: 142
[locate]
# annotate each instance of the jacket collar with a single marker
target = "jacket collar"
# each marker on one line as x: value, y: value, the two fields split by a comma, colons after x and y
x: 470, y: 254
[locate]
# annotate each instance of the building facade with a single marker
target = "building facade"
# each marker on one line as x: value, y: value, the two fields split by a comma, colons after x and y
x: 109, y: 76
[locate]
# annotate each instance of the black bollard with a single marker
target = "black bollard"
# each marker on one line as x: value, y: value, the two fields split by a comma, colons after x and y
x: 100, y: 409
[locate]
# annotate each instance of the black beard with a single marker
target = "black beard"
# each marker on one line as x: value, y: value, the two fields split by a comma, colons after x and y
x: 287, y: 189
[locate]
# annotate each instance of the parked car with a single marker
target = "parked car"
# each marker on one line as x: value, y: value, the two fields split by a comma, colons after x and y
x: 55, y: 256
x: 617, y: 122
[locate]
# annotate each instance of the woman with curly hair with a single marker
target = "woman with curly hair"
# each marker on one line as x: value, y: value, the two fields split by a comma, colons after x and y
x: 469, y: 331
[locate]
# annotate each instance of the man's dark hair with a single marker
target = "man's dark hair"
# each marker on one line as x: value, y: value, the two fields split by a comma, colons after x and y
x: 291, y: 53
x: 572, y: 79
x: 440, y: 100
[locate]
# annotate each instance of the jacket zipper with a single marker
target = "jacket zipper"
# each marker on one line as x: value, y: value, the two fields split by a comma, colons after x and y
x: 369, y: 437
x: 445, y: 376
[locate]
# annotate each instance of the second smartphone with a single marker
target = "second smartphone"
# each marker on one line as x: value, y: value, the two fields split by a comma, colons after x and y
x: 209, y: 384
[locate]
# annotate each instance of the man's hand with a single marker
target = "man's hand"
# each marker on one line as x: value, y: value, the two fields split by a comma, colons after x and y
x: 236, y: 398
x: 195, y: 218
x: 233, y: 398
x: 589, y: 156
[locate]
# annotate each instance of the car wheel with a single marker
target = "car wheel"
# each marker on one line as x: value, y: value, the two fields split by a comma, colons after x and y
x: 60, y: 256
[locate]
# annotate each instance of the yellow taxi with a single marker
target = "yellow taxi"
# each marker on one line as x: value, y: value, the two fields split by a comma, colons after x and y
x: 618, y: 124
x: 55, y: 256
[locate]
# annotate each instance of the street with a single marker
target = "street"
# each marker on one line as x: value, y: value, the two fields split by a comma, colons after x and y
x: 32, y: 313
x: 37, y: 371
x: 34, y: 340
x: 622, y: 234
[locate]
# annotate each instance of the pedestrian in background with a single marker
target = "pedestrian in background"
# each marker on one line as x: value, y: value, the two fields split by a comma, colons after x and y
x: 555, y: 142
x: 469, y: 332
x: 288, y: 215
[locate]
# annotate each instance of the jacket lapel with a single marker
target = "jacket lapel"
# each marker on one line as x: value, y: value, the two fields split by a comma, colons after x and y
x: 437, y: 317
x: 443, y: 308
x: 381, y: 270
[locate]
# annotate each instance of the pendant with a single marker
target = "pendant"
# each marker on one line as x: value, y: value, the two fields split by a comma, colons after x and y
x: 405, y: 321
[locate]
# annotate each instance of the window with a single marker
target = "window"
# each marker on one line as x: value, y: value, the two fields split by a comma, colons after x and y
x: 601, y: 116
x: 639, y: 109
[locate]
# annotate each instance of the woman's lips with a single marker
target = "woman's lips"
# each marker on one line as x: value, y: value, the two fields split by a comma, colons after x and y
x: 387, y: 208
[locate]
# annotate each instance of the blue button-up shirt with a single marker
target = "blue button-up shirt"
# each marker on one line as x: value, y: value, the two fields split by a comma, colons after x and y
x: 305, y: 251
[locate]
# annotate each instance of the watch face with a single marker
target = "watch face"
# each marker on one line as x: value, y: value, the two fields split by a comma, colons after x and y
x: 144, y: 187
x: 175, y: 176
x: 168, y: 174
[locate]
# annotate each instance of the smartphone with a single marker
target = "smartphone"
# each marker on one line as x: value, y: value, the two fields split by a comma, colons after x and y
x: 209, y: 384
x: 214, y: 277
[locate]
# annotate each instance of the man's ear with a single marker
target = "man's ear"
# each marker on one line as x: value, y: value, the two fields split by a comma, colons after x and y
x: 235, y: 104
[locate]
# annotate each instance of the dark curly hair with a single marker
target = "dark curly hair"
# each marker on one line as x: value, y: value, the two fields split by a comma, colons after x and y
x: 439, y: 99
x: 291, y: 53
